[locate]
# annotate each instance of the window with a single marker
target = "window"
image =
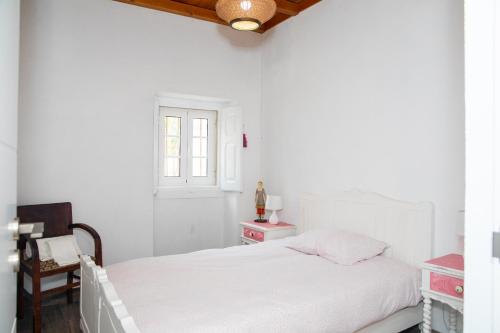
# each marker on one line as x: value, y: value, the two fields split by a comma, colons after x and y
x: 187, y: 145
x: 197, y: 146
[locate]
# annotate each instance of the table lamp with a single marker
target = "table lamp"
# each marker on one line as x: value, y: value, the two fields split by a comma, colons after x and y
x: 274, y: 203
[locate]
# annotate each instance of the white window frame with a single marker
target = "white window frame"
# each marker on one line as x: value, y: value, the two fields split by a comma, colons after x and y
x: 212, y: 154
x: 193, y: 190
x: 172, y: 181
x: 186, y: 177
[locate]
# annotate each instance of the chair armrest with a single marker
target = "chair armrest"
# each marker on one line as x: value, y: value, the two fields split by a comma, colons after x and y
x: 95, y: 236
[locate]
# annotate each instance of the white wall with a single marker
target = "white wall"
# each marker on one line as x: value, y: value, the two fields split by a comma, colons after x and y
x: 9, y: 70
x: 368, y: 94
x: 90, y: 70
x: 354, y: 94
x: 198, y: 222
x: 380, y: 82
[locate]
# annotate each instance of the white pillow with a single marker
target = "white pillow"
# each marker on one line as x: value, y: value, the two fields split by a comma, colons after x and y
x: 44, y: 252
x: 63, y: 250
x: 347, y: 248
x: 43, y: 249
x: 307, y: 242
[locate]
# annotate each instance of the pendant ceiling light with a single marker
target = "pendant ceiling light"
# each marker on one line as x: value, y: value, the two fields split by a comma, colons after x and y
x: 245, y: 14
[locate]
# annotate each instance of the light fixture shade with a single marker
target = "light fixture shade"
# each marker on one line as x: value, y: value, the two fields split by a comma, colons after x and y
x: 246, y: 14
x: 274, y: 202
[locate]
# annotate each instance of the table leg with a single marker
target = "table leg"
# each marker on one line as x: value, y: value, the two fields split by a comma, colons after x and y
x: 453, y: 321
x: 427, y: 325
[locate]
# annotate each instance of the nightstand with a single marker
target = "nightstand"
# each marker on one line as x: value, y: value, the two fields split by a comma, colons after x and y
x: 253, y: 232
x: 443, y: 281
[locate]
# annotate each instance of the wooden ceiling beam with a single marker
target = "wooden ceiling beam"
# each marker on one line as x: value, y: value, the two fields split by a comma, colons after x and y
x: 308, y: 3
x: 178, y: 8
x: 277, y: 19
x: 287, y: 7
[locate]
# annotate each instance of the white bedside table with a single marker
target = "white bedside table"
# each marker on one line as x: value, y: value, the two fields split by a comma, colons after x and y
x: 253, y: 232
x: 443, y: 281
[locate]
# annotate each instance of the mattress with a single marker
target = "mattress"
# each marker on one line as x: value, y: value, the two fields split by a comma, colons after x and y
x: 261, y: 288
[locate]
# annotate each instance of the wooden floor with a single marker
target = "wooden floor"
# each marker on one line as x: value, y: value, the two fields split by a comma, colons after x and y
x: 59, y: 317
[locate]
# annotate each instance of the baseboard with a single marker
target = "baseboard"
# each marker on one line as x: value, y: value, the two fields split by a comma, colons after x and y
x: 14, y: 324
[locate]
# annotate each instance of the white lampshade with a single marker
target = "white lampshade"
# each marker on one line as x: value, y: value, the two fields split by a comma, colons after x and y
x: 274, y: 202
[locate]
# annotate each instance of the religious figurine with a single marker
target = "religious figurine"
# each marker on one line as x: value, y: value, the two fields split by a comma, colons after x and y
x: 260, y: 202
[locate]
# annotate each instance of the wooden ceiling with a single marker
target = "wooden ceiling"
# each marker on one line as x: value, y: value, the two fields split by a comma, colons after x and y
x: 205, y: 9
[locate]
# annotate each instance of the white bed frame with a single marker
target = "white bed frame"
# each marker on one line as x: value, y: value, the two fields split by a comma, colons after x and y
x: 101, y: 310
x: 406, y: 227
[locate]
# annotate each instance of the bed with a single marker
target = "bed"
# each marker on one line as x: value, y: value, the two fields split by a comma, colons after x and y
x: 270, y: 288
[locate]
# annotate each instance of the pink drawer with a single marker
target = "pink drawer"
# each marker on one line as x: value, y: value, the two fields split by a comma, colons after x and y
x: 253, y: 234
x: 447, y: 285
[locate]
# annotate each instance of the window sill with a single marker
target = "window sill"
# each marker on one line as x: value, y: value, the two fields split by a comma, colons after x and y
x: 165, y: 192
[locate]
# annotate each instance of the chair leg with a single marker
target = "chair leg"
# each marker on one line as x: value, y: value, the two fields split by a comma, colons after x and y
x: 69, y: 292
x: 37, y: 308
x: 20, y: 291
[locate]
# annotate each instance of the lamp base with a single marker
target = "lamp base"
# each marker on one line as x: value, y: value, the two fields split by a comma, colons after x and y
x: 260, y: 220
x: 274, y: 219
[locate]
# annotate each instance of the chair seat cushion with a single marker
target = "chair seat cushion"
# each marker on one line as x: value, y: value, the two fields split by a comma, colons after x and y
x: 49, y: 265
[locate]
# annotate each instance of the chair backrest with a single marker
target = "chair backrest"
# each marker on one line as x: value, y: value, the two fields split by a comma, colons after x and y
x: 56, y: 217
x: 113, y: 317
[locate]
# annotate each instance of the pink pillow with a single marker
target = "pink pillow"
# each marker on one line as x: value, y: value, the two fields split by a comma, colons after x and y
x: 347, y: 248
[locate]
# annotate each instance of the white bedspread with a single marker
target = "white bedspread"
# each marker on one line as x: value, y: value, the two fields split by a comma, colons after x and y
x: 261, y: 288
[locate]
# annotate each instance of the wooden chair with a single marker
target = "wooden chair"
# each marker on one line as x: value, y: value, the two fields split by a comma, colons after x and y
x: 58, y: 221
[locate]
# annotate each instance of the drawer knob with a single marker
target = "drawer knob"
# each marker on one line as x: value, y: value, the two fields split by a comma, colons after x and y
x: 459, y: 289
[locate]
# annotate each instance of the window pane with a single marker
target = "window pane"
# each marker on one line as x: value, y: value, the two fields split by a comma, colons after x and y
x: 172, y: 167
x: 196, y: 147
x: 196, y: 167
x: 200, y: 147
x: 203, y: 147
x: 203, y: 167
x: 199, y: 167
x: 200, y: 127
x: 174, y: 146
x: 204, y: 127
x: 196, y: 127
x: 173, y: 126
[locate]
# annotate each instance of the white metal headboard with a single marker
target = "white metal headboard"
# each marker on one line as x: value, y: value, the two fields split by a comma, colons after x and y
x: 407, y: 227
